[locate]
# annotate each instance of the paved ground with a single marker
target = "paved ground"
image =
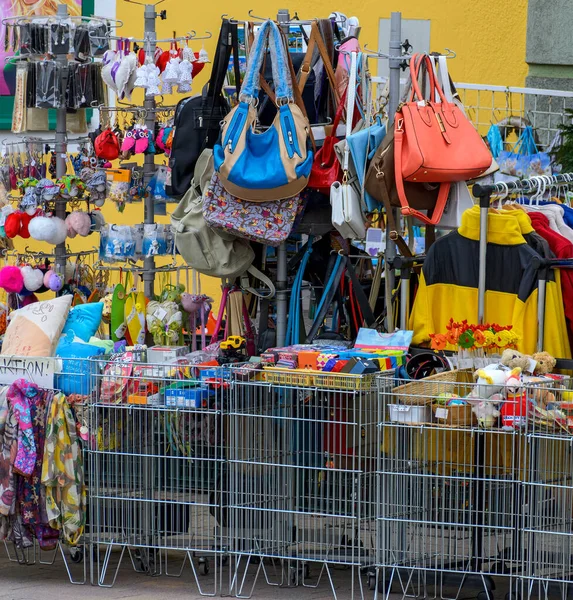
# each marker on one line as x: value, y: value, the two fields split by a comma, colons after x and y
x: 50, y: 582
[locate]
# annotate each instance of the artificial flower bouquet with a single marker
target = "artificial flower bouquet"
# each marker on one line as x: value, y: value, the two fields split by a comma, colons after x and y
x: 477, y: 345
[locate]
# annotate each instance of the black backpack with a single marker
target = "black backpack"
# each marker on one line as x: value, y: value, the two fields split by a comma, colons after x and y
x: 197, y: 121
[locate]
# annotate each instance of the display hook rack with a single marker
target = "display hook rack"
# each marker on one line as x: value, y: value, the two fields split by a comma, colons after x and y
x: 395, y: 61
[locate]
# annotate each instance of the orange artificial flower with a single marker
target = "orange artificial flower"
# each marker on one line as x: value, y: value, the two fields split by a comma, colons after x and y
x: 439, y: 341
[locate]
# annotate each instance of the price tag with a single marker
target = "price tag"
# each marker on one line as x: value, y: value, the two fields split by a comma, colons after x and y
x: 441, y: 413
x: 160, y: 314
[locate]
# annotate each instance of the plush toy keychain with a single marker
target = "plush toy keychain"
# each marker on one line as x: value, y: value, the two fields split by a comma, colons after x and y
x: 46, y: 191
x: 78, y: 222
x: 71, y: 186
x: 196, y: 304
x: 141, y: 140
x: 98, y: 187
x: 53, y: 281
x: 29, y: 202
x: 11, y: 279
x: 48, y: 229
x: 33, y: 278
x: 108, y: 62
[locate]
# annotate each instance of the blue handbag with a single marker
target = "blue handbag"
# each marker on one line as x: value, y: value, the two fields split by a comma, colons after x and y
x: 363, y: 146
x: 276, y: 163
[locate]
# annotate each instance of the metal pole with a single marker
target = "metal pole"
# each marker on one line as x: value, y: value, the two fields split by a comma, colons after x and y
x: 484, y: 206
x: 541, y: 308
x: 393, y: 100
x: 281, y: 286
x: 148, y: 516
x: 404, y: 298
x: 61, y: 149
x: 149, y: 161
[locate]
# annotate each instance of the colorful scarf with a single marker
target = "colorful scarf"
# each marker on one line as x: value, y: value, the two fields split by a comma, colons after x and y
x: 63, y: 473
x: 19, y: 395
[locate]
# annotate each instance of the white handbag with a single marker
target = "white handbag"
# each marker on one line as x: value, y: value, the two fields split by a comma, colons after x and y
x: 347, y: 215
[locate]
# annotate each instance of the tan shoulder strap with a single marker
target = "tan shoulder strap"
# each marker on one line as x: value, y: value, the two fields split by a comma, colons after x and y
x: 315, y: 40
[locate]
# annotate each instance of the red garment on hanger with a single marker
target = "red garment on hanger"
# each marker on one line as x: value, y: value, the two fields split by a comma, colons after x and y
x: 562, y: 248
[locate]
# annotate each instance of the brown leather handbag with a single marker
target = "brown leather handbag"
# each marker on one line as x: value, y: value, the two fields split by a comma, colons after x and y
x: 381, y: 181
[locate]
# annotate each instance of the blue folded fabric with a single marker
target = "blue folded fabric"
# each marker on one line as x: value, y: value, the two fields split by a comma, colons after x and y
x: 363, y: 146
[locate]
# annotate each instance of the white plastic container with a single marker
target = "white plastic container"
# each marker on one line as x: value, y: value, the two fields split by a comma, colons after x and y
x: 406, y: 413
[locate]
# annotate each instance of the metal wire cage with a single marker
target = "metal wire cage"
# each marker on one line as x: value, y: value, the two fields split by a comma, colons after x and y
x: 156, y: 460
x: 302, y: 473
x: 27, y: 539
x: 457, y: 484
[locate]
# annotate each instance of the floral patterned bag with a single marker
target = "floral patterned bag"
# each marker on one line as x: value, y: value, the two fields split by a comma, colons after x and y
x: 265, y: 222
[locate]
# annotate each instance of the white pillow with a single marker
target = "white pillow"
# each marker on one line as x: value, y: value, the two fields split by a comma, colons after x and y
x: 35, y: 329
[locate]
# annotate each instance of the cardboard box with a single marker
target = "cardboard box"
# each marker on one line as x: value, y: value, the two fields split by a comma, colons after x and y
x: 307, y: 359
x: 162, y: 354
x: 137, y: 399
x: 186, y: 397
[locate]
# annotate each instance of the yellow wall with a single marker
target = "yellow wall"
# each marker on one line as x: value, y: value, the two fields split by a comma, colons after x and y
x: 488, y: 35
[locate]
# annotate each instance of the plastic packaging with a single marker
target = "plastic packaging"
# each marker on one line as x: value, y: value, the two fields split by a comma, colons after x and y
x: 48, y: 81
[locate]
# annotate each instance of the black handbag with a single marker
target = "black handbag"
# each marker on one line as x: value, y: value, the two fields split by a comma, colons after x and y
x: 197, y: 122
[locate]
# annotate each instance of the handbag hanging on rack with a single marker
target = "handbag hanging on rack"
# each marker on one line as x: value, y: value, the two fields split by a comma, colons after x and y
x: 197, y: 119
x: 315, y: 76
x: 434, y: 143
x: 265, y: 222
x: 275, y: 164
x: 347, y: 215
x: 326, y: 168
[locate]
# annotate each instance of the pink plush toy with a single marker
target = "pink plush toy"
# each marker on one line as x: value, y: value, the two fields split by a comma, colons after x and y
x: 78, y: 222
x: 11, y: 279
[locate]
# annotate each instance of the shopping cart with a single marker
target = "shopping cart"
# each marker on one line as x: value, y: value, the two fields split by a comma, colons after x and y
x: 302, y: 476
x: 454, y: 495
x: 158, y: 452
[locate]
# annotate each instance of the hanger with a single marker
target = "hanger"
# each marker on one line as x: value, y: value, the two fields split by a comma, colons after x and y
x: 501, y: 196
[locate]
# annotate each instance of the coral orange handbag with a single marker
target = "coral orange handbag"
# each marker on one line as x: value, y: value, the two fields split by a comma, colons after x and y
x: 434, y: 143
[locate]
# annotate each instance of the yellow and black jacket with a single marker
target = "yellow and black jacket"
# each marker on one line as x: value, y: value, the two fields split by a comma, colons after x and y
x: 448, y: 285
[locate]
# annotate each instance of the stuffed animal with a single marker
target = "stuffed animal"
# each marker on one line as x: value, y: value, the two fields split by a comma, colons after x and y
x: 513, y: 381
x: 514, y: 359
x: 543, y: 397
x: 11, y: 279
x: 545, y: 363
x: 490, y: 380
x: 486, y: 413
x: 78, y: 222
x: 33, y: 278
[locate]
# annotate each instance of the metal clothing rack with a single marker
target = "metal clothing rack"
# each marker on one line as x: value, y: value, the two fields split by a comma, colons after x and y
x: 485, y: 193
x: 192, y: 35
x: 20, y: 19
x: 31, y: 254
